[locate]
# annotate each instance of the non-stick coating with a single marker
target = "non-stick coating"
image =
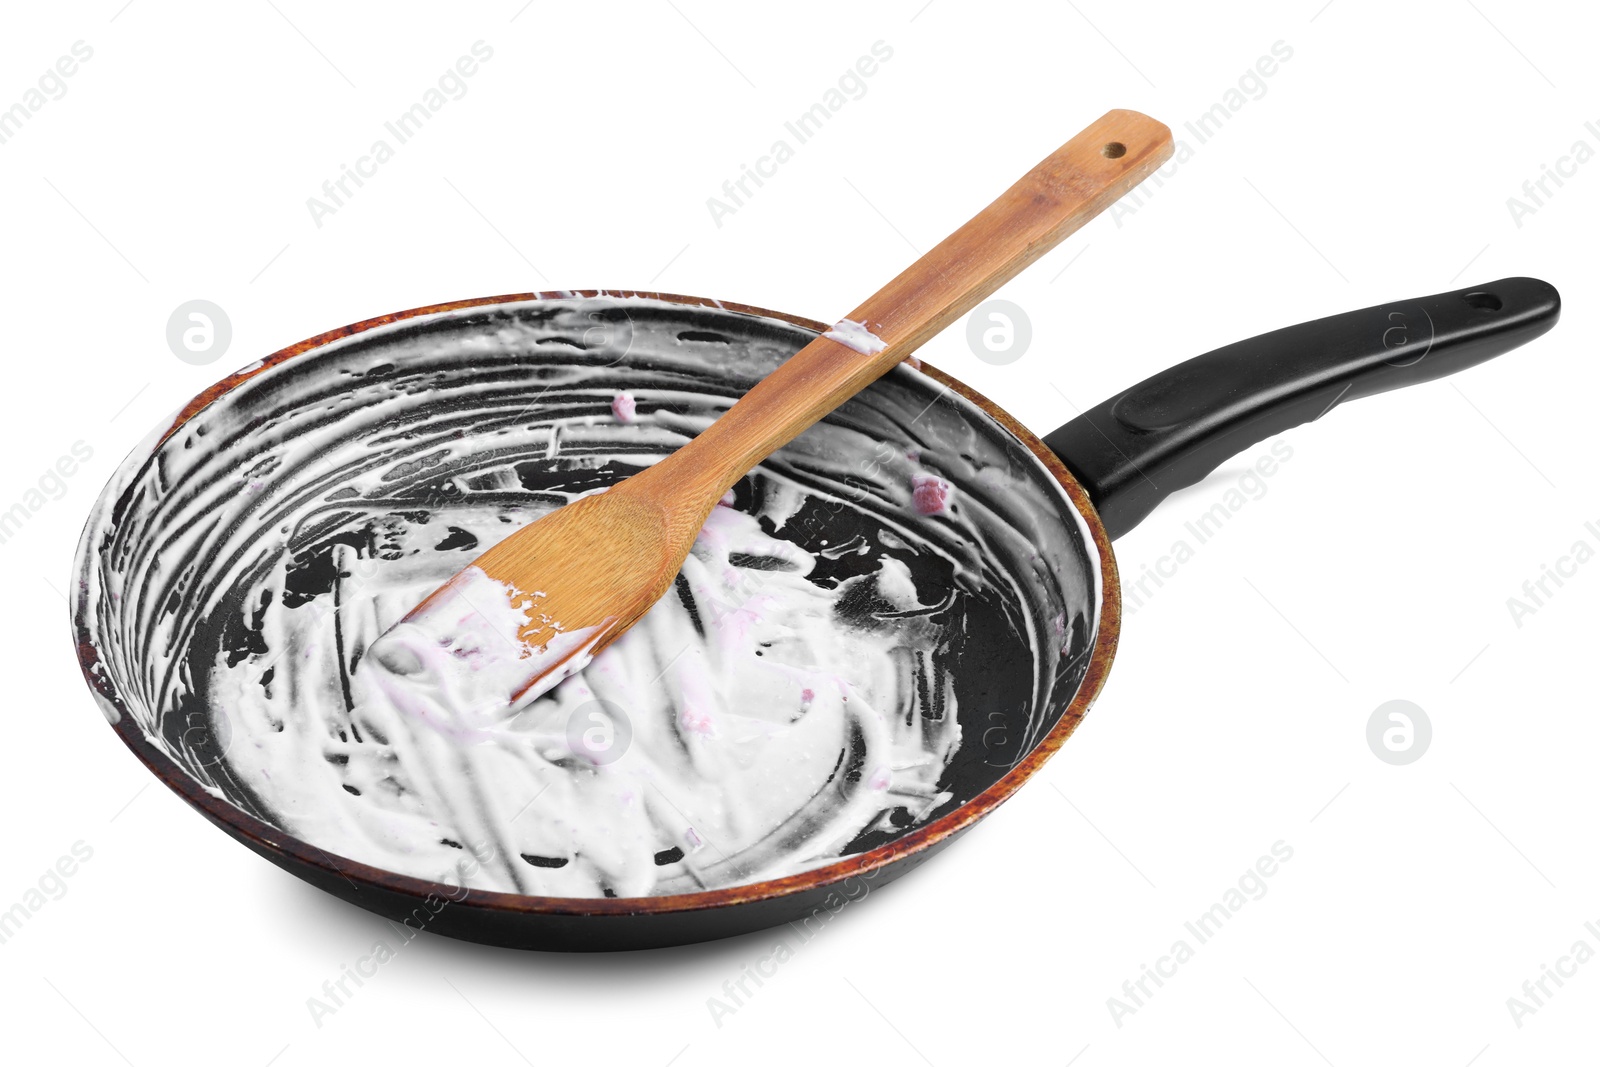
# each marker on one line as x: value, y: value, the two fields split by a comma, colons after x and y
x: 1029, y: 658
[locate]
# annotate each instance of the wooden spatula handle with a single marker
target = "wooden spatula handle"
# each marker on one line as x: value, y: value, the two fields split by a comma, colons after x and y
x: 1075, y: 183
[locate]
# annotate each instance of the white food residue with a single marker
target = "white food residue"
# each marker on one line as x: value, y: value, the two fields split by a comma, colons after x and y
x: 740, y: 723
x: 855, y: 335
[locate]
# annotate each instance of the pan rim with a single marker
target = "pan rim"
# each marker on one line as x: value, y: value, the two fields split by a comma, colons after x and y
x: 266, y: 838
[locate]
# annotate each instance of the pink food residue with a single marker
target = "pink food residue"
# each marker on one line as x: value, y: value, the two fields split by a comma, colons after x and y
x: 739, y: 620
x: 930, y: 494
x: 624, y: 407
x: 695, y: 721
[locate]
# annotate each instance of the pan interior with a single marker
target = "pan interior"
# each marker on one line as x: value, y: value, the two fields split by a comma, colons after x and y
x: 225, y: 573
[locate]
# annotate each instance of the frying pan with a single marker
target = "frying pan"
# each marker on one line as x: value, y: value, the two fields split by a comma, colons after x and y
x: 194, y: 507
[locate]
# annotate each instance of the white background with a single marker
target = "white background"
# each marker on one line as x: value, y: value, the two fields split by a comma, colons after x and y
x: 1377, y: 565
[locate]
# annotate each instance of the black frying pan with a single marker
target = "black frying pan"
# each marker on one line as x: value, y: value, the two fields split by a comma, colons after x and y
x: 153, y: 591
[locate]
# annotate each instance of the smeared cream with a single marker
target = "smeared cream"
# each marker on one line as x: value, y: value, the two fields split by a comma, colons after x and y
x: 795, y: 697
x: 463, y: 650
x: 855, y: 335
x: 746, y: 722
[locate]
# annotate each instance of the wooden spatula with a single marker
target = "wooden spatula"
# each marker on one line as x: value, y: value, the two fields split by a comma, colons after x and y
x: 586, y: 572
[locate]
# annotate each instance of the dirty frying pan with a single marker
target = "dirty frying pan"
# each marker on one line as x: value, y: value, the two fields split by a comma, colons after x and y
x: 473, y: 397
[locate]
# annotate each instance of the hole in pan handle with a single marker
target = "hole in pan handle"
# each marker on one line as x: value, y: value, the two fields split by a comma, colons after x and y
x: 1174, y: 428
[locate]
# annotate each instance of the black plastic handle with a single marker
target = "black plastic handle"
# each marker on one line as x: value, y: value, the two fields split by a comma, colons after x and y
x: 1173, y: 429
